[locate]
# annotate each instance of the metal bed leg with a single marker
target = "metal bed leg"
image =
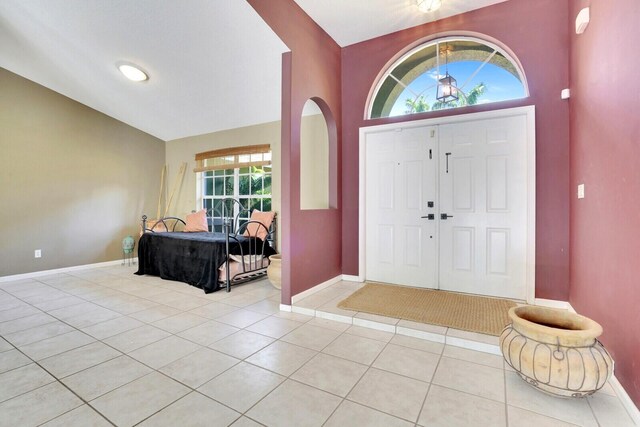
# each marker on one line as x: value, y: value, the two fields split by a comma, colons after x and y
x: 227, y: 228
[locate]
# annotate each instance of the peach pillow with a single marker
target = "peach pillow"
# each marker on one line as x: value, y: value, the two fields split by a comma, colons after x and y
x: 254, y: 230
x: 196, y: 222
x: 156, y: 225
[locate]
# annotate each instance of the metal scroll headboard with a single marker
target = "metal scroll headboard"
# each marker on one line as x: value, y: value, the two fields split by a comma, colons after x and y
x: 232, y: 212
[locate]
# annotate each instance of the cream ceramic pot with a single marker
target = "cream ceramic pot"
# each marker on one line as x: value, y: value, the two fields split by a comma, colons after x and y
x: 556, y: 351
x: 274, y: 271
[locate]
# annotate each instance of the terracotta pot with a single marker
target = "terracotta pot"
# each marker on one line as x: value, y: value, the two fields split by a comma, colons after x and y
x: 556, y: 351
x: 274, y: 271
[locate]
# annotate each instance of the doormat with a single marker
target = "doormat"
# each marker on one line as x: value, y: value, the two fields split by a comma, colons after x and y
x: 460, y: 311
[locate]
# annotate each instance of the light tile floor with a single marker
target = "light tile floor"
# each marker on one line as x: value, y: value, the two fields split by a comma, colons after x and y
x: 104, y: 347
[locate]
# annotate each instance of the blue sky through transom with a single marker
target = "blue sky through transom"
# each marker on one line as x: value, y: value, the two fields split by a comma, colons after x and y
x: 501, y: 85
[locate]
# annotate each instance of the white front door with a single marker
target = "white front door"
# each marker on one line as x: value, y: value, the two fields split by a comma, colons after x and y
x: 401, y: 180
x: 483, y: 192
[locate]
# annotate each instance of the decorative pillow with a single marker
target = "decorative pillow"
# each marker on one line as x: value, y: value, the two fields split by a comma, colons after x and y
x: 153, y: 224
x: 196, y: 222
x: 265, y: 218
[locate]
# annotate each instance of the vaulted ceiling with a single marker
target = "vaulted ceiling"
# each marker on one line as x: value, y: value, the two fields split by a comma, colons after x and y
x: 213, y: 64
x: 353, y: 21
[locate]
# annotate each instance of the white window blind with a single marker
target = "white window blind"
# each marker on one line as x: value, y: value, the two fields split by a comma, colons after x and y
x: 232, y: 158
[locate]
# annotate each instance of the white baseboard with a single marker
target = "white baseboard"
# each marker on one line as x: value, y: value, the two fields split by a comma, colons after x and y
x: 628, y: 404
x: 473, y: 345
x: 317, y: 288
x: 302, y: 310
x: 285, y: 307
x: 552, y: 303
x: 62, y: 270
x: 350, y: 278
x: 335, y: 317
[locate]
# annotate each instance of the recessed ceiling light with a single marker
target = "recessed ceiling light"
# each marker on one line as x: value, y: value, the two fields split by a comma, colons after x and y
x: 428, y: 5
x: 132, y: 72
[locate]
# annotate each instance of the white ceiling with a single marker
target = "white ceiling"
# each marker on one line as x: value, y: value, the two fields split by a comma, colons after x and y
x: 213, y: 64
x: 353, y: 21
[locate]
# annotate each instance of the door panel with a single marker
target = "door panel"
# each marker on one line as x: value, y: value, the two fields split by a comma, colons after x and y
x: 463, y: 248
x: 497, y: 177
x: 462, y: 176
x: 385, y: 241
x: 498, y: 251
x: 413, y: 246
x: 386, y: 185
x: 401, y: 247
x: 483, y: 243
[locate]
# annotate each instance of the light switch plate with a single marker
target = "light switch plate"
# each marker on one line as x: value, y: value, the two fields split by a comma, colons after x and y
x: 580, y: 191
x: 37, y: 253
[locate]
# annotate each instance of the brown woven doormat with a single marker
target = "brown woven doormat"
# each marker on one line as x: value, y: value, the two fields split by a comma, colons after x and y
x: 459, y: 311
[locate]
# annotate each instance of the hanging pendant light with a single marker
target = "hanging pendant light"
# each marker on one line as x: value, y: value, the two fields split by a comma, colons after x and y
x: 447, y: 86
x: 427, y: 6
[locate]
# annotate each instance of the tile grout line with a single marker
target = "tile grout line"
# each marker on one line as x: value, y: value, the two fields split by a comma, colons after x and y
x: 552, y: 417
x: 369, y: 367
x: 296, y: 370
x: 183, y: 384
x: 321, y: 352
x: 314, y: 387
x: 61, y: 383
x: 153, y: 370
x: 424, y: 401
x: 106, y: 344
x: 593, y: 412
x: 506, y: 400
x: 276, y: 339
x: 342, y: 333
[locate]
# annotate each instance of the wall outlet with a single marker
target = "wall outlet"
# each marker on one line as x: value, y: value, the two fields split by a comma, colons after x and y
x: 580, y: 191
x: 38, y: 253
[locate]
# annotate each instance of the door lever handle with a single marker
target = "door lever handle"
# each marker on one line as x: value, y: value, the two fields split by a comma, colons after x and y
x: 430, y: 217
x: 445, y: 216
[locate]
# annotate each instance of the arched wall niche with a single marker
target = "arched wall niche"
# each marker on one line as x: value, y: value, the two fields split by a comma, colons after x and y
x: 318, y: 156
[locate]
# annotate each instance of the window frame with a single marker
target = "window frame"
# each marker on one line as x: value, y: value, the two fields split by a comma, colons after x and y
x: 431, y: 42
x: 203, y: 197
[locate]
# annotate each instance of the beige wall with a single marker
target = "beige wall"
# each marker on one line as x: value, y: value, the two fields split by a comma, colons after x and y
x: 184, y: 150
x: 314, y: 162
x: 73, y: 181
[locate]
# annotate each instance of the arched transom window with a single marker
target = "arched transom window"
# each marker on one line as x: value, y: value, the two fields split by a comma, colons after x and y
x: 447, y: 73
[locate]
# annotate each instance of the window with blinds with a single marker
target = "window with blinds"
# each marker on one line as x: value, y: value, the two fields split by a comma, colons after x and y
x: 233, y: 158
x: 242, y: 173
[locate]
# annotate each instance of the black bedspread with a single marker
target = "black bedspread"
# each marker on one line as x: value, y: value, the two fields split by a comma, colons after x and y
x: 193, y: 258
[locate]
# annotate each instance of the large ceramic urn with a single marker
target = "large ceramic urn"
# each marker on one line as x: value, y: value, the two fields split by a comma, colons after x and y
x: 274, y: 271
x: 556, y: 351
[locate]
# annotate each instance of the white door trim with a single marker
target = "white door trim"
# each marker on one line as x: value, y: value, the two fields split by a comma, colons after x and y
x: 529, y: 112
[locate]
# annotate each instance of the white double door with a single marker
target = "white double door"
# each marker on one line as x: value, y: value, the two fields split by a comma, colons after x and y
x: 446, y: 206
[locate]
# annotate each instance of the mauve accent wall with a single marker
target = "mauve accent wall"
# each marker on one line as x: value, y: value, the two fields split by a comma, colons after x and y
x: 537, y: 33
x: 311, y: 244
x: 605, y: 156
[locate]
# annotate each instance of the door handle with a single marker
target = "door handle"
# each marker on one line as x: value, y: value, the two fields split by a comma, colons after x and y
x: 445, y: 216
x: 429, y: 217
